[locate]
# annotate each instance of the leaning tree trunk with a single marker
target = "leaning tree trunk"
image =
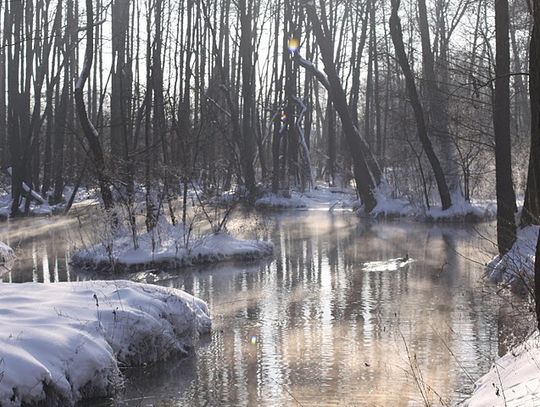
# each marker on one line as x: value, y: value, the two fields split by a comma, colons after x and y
x: 365, y: 183
x: 88, y: 128
x: 397, y: 38
x: 506, y: 199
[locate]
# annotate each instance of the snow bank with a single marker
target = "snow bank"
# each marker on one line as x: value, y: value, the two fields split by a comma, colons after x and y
x: 168, y: 250
x: 273, y: 201
x: 321, y: 197
x: 462, y: 210
x: 516, y: 266
x: 514, y: 379
x: 389, y: 207
x: 66, y: 341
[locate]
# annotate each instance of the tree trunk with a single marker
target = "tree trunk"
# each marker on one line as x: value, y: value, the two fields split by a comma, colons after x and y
x: 397, y: 38
x: 531, y: 206
x: 3, y: 106
x: 506, y: 199
x: 437, y: 100
x: 90, y: 132
x: 58, y: 141
x: 365, y: 184
x: 246, y: 54
x: 537, y: 282
x: 120, y: 86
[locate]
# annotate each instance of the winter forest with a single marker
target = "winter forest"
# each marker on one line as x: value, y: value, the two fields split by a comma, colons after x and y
x: 269, y: 202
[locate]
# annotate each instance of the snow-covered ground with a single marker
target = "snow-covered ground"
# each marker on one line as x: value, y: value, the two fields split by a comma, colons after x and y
x: 68, y: 341
x: 166, y: 248
x: 319, y: 198
x: 461, y: 210
x: 325, y: 198
x: 516, y: 266
x: 514, y: 379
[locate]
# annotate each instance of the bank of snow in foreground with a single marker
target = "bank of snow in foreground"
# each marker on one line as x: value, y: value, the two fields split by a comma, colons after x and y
x: 63, y: 342
x: 168, y: 247
x: 514, y: 379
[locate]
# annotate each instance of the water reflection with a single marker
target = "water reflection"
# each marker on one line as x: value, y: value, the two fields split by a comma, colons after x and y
x: 327, y: 331
x: 43, y: 249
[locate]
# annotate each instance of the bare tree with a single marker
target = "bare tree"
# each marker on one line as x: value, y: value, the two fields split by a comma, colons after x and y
x: 365, y: 182
x: 397, y: 38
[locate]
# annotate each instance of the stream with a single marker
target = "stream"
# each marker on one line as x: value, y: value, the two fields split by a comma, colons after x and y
x: 320, y: 323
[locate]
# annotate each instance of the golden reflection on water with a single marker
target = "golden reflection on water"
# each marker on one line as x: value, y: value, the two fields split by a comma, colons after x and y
x: 312, y: 327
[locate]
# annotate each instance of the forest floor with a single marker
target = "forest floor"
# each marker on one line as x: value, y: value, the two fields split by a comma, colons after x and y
x: 514, y: 379
x: 68, y: 341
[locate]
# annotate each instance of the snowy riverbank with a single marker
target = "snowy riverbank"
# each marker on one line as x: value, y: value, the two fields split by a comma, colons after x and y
x: 66, y: 341
x: 516, y: 266
x: 327, y: 198
x: 320, y: 198
x: 513, y: 380
x: 167, y: 248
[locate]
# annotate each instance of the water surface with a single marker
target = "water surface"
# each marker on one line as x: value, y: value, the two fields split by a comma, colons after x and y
x: 314, y: 326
